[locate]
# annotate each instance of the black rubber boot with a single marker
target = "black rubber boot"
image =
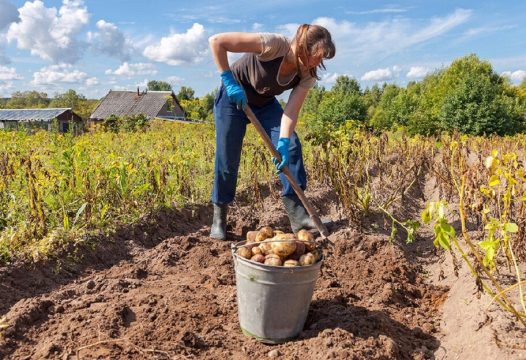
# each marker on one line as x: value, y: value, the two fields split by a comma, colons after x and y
x: 218, y: 229
x: 298, y: 215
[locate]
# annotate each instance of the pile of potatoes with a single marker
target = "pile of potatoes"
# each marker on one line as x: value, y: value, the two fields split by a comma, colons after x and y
x: 274, y: 247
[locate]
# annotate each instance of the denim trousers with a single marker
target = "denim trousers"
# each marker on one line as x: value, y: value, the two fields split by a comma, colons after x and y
x: 231, y: 125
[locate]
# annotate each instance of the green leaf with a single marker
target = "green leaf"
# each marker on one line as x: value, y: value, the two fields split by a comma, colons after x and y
x: 426, y: 215
x: 511, y: 227
x: 79, y: 212
x: 446, y: 228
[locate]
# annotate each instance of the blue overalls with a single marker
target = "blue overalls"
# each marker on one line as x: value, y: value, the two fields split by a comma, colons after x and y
x: 231, y: 125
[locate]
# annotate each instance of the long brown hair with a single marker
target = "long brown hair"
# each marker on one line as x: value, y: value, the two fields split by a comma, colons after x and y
x: 313, y: 40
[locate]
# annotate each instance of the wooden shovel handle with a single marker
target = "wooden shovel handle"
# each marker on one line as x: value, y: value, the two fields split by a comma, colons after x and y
x: 266, y: 139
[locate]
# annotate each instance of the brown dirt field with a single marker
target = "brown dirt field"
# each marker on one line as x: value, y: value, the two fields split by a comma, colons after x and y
x: 163, y: 290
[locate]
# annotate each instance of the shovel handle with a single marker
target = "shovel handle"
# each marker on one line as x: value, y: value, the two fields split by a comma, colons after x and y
x: 299, y: 191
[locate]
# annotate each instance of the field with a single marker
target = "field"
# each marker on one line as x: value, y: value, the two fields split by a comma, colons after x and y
x: 105, y: 252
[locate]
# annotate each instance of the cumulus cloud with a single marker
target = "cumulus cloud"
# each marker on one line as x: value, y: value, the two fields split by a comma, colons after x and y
x: 92, y: 81
x: 177, y: 49
x: 371, y: 40
x: 131, y: 70
x: 109, y: 40
x: 378, y: 75
x: 8, y: 13
x: 515, y: 76
x: 8, y: 73
x: 417, y: 72
x: 48, y: 33
x: 62, y: 73
x: 329, y: 78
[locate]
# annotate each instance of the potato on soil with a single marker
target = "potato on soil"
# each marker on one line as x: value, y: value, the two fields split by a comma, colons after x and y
x: 300, y: 250
x: 291, y: 263
x: 244, y: 252
x: 273, y: 259
x: 284, y: 248
x: 307, y: 259
x: 251, y: 236
x: 258, y: 258
x: 265, y: 232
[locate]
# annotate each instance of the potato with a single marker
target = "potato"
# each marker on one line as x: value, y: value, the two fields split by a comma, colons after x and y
x: 307, y: 259
x: 265, y: 232
x: 258, y: 258
x: 266, y: 248
x: 256, y: 250
x: 244, y: 252
x: 276, y: 232
x: 300, y: 250
x: 291, y: 263
x: 283, y: 236
x: 251, y: 236
x: 284, y: 248
x: 273, y: 259
x: 307, y: 238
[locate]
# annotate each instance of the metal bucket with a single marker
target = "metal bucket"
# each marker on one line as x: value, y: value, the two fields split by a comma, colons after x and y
x: 273, y: 301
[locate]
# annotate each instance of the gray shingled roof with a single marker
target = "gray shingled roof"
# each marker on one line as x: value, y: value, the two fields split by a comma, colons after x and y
x: 31, y: 114
x: 122, y: 103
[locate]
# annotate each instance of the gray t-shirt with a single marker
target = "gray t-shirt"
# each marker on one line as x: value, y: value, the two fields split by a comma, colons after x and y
x: 258, y: 73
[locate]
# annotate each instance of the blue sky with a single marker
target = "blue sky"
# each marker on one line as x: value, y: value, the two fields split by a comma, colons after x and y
x: 95, y: 46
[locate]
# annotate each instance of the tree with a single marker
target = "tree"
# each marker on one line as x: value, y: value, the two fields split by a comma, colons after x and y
x: 156, y: 85
x: 477, y: 101
x: 27, y: 100
x: 346, y: 85
x: 185, y: 93
x: 309, y: 110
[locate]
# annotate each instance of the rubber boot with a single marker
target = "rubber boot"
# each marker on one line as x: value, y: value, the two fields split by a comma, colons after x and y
x: 298, y: 215
x: 218, y: 229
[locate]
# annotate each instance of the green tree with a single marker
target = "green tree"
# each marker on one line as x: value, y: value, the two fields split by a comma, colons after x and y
x: 346, y: 85
x: 157, y: 85
x: 185, y: 93
x: 27, y: 100
x: 309, y: 110
x: 111, y: 124
x: 477, y: 101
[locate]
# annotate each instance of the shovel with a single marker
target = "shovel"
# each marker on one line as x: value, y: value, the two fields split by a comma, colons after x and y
x: 310, y: 209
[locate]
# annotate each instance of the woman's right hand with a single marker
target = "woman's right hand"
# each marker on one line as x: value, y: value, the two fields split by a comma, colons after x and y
x: 235, y: 92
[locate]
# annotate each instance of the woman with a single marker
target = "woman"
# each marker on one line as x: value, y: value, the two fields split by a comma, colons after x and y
x: 272, y: 64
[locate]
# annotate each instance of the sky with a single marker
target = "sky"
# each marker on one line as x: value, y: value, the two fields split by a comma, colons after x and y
x: 98, y: 45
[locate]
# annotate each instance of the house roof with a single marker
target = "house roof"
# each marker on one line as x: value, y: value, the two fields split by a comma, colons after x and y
x: 122, y: 103
x: 31, y: 114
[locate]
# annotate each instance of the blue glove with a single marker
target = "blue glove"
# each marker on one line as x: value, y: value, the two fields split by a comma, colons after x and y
x: 234, y: 90
x: 283, y: 149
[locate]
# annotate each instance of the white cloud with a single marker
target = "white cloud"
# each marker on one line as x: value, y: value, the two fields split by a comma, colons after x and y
x: 8, y: 73
x: 109, y: 40
x: 176, y: 49
x: 63, y: 73
x: 472, y: 32
x: 8, y: 13
x: 378, y: 75
x: 257, y: 27
x: 361, y: 43
x: 174, y: 80
x: 6, y: 88
x: 389, y: 10
x: 417, y: 72
x: 289, y: 30
x: 329, y: 78
x: 131, y: 70
x: 50, y: 34
x: 92, y: 81
x: 515, y: 76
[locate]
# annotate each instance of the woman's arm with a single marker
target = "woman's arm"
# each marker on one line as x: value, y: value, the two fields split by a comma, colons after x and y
x: 292, y: 110
x: 233, y: 42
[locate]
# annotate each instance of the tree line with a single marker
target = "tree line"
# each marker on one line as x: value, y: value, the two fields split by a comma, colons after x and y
x: 468, y: 96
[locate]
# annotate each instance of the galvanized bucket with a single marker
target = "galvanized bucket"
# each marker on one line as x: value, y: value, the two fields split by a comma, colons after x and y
x: 273, y: 301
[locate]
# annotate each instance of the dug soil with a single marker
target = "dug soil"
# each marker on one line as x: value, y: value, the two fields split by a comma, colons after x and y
x: 162, y: 289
